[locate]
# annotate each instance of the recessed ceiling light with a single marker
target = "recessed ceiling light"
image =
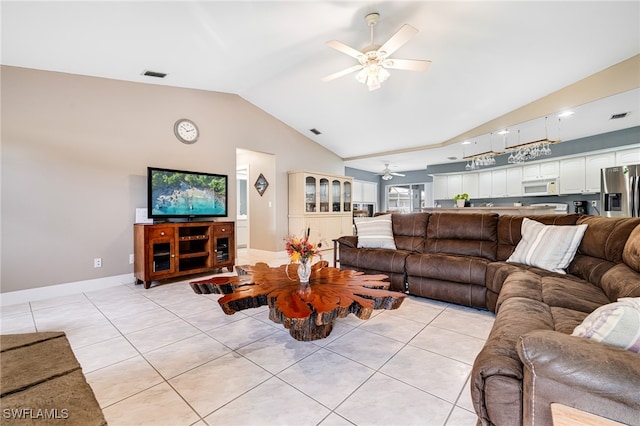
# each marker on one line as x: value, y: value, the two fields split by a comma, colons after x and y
x: 466, y: 143
x: 503, y: 132
x: 452, y: 158
x: 565, y: 114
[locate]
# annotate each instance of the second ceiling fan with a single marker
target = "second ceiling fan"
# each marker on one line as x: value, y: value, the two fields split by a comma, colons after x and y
x: 387, y: 174
x: 374, y: 59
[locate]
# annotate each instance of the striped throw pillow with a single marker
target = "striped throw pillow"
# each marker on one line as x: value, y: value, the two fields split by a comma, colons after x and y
x: 616, y: 324
x: 547, y: 247
x: 375, y: 232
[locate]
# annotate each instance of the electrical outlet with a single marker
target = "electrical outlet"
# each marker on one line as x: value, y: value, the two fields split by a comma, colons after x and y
x: 594, y: 203
x: 131, y: 258
x: 97, y: 262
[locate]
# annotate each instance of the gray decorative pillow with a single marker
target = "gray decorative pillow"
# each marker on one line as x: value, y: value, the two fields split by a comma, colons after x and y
x: 616, y: 324
x: 375, y: 232
x: 550, y: 247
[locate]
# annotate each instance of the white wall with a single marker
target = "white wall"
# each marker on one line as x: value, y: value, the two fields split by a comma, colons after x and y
x: 74, y: 156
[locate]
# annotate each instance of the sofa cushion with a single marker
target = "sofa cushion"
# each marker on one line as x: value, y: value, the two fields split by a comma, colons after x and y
x: 510, y: 227
x: 631, y: 251
x: 602, y: 248
x: 553, y: 290
x: 410, y: 231
x: 375, y: 232
x: 547, y: 246
x: 616, y: 324
x: 620, y: 281
x: 448, y: 267
x: 605, y: 237
x: 467, y: 234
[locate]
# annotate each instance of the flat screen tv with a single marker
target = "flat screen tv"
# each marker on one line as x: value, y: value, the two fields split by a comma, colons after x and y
x: 185, y: 194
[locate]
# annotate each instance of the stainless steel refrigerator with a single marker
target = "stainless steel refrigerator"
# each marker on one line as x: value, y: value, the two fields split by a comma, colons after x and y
x: 620, y: 191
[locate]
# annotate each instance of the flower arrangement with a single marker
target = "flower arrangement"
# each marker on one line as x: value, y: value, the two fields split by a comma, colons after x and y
x: 300, y: 249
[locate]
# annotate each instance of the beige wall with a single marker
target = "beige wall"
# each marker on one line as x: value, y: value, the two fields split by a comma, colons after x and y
x: 74, y: 156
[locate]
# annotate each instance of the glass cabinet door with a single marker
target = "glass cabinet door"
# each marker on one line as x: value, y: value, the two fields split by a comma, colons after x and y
x: 347, y: 196
x: 335, y: 195
x: 324, y: 195
x: 310, y: 194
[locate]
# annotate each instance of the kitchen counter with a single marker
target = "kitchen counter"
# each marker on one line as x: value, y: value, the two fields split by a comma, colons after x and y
x: 524, y: 210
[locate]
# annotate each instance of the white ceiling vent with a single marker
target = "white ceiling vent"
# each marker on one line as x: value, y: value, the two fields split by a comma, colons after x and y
x: 154, y: 74
x: 620, y: 115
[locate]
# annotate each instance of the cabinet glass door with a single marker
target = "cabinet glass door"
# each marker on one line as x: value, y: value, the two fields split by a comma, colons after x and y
x: 347, y: 196
x: 335, y: 195
x: 310, y: 194
x: 222, y: 250
x: 161, y: 256
x: 324, y: 195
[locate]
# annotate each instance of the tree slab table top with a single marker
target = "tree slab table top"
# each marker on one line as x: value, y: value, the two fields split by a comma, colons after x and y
x: 307, y: 311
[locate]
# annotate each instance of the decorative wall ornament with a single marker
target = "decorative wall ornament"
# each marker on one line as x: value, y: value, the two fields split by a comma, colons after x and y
x: 261, y: 184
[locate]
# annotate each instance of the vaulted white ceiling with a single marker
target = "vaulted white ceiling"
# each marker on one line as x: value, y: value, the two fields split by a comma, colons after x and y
x: 488, y: 59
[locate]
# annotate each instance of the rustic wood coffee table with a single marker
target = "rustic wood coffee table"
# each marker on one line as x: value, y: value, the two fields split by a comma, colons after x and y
x: 308, y: 312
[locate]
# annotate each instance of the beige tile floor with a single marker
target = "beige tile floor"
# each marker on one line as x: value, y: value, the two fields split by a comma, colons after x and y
x: 166, y: 356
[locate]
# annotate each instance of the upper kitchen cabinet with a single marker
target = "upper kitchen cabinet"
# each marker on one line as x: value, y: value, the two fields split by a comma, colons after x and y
x: 593, y: 165
x: 547, y: 169
x: 628, y: 156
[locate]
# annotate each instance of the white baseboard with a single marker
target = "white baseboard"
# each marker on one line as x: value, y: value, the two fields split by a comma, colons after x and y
x: 47, y: 292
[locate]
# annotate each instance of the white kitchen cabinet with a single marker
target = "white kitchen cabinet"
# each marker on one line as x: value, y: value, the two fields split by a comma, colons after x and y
x: 593, y: 165
x: 550, y: 169
x: 572, y: 172
x: 365, y: 191
x: 470, y: 184
x: 514, y: 181
x: 499, y: 183
x: 546, y: 169
x: 484, y: 184
x: 628, y: 156
x: 440, y: 187
x: 454, y: 185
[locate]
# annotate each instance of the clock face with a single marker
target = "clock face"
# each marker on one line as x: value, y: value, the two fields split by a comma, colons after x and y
x: 186, y: 131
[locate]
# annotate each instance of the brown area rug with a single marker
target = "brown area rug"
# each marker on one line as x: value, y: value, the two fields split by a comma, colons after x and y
x: 41, y: 383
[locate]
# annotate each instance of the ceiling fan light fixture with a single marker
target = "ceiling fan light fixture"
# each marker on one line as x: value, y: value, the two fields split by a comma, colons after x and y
x: 372, y: 75
x: 387, y: 177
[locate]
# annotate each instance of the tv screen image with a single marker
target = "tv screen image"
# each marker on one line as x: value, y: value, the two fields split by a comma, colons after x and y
x: 180, y: 193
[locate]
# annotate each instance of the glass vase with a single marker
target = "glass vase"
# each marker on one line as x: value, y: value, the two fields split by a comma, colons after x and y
x: 304, y: 270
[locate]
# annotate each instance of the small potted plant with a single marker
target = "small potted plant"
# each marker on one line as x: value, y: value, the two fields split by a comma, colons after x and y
x: 461, y: 199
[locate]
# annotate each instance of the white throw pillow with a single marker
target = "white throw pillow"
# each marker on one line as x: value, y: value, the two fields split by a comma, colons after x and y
x: 547, y: 247
x: 616, y: 324
x: 375, y: 232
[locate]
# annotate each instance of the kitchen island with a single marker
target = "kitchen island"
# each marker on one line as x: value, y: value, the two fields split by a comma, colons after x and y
x: 516, y: 210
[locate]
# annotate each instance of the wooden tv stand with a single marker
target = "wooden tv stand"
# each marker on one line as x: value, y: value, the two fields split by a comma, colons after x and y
x: 168, y: 250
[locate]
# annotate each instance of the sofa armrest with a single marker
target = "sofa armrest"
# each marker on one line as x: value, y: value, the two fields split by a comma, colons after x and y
x: 350, y: 241
x: 580, y: 373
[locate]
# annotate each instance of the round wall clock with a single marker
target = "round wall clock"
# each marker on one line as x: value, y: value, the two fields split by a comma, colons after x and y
x: 186, y: 131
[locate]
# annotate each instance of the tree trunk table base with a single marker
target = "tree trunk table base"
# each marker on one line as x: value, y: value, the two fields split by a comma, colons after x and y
x: 307, y: 311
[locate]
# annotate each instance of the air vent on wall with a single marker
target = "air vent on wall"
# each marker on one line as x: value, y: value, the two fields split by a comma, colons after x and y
x: 154, y: 74
x: 617, y: 116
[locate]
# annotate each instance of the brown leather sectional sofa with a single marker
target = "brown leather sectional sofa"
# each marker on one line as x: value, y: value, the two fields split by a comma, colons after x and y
x: 530, y: 359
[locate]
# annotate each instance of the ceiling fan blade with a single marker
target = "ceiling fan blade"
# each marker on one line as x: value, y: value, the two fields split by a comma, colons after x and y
x: 397, y: 174
x: 340, y: 46
x: 396, y: 41
x: 341, y: 73
x: 407, y: 64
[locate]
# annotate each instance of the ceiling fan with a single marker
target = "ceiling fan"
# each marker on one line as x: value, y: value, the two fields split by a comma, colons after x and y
x: 374, y: 59
x: 387, y: 174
